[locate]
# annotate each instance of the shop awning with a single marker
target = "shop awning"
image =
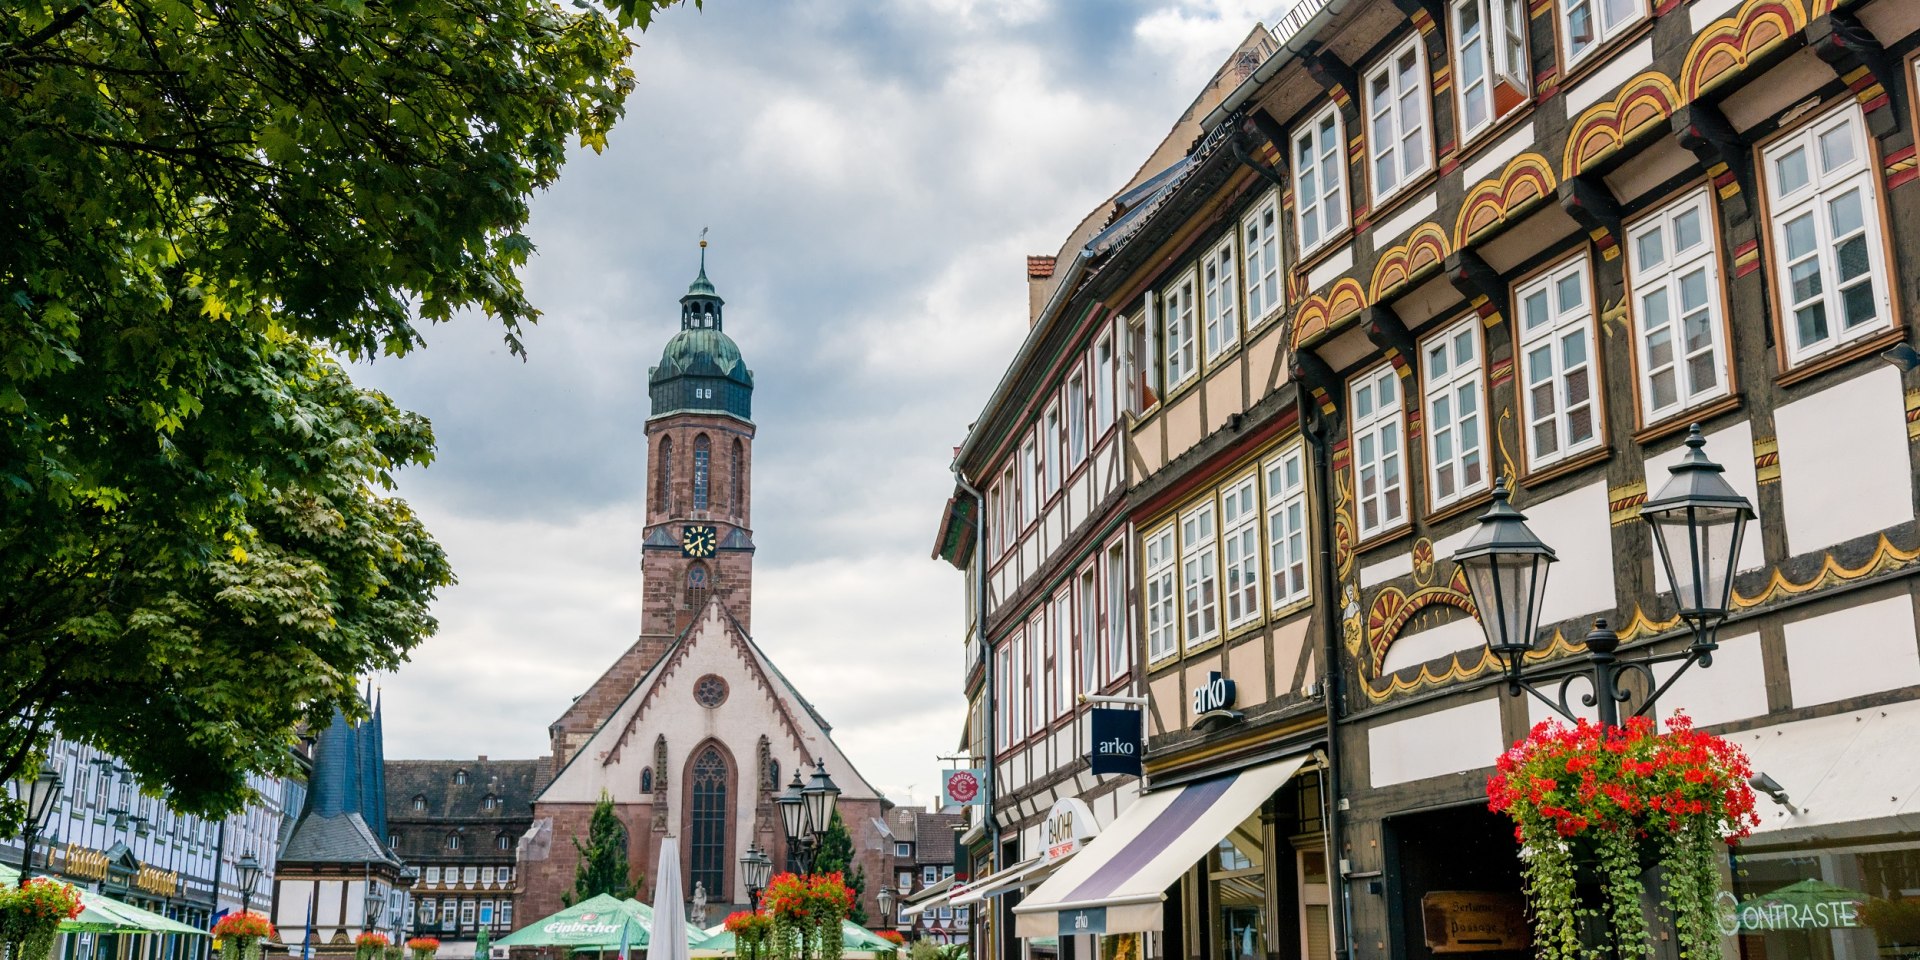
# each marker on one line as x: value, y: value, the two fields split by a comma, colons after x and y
x: 930, y: 898
x: 1116, y: 883
x: 1017, y: 877
x: 1850, y: 776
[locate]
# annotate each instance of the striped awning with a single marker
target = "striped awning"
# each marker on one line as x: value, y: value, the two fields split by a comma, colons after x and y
x: 1017, y: 877
x: 1116, y: 884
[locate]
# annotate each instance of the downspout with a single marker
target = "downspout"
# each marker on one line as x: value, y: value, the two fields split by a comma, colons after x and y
x: 1333, y: 689
x: 986, y: 657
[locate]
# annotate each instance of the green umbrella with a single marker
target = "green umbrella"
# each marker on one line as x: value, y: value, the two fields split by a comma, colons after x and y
x: 594, y: 924
x: 103, y: 914
x: 856, y: 937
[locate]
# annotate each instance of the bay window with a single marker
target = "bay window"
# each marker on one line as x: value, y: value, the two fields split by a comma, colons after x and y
x: 1557, y: 379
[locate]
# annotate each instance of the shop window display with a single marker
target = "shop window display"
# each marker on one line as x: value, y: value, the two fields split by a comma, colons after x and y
x: 1847, y: 903
x: 1238, y: 876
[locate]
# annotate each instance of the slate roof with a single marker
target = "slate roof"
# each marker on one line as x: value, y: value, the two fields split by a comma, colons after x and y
x: 514, y: 782
x: 936, y: 836
x: 340, y: 825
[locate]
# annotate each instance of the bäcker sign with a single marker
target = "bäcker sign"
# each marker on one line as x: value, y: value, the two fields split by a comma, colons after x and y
x: 1116, y: 741
x: 1068, y: 825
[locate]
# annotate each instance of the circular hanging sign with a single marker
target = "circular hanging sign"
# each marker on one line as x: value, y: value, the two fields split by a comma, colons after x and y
x: 962, y: 786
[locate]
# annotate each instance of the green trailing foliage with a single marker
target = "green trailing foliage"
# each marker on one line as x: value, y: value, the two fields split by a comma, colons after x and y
x: 204, y: 209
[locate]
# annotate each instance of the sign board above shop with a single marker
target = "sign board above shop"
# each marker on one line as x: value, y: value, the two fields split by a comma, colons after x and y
x: 1214, y: 700
x: 1116, y: 741
x: 1068, y: 825
x: 1474, y: 921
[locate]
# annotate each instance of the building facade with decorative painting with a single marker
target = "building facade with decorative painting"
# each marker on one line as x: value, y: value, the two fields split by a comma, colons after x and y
x: 1429, y: 245
x: 458, y: 824
x: 693, y: 731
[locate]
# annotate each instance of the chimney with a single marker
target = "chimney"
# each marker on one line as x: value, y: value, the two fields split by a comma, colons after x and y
x: 1039, y: 272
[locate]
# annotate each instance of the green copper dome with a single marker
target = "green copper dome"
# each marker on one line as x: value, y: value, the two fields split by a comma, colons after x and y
x: 701, y: 370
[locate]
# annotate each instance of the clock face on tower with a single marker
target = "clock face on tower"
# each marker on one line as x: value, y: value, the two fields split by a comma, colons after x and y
x: 698, y: 541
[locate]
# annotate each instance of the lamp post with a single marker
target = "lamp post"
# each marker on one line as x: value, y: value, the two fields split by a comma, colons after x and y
x: 375, y: 902
x: 757, y: 868
x: 885, y: 899
x: 248, y: 873
x: 40, y: 792
x: 806, y: 811
x: 1698, y: 522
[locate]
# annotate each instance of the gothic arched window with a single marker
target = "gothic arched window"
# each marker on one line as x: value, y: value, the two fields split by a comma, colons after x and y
x: 646, y: 780
x: 707, y: 852
x: 739, y: 477
x: 698, y: 586
x: 663, y: 475
x: 702, y: 453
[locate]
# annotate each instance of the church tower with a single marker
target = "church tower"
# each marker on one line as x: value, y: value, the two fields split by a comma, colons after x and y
x: 699, y: 538
x: 699, y: 491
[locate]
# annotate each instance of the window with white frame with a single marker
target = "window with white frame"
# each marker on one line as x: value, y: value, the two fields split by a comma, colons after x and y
x: 1490, y: 58
x: 1287, y: 526
x: 1451, y: 367
x: 1199, y: 576
x: 1177, y: 305
x: 1558, y: 381
x: 1117, y: 620
x: 1030, y: 480
x: 1397, y: 119
x: 902, y: 850
x: 426, y: 911
x: 1824, y: 201
x: 1142, y: 363
x: 1260, y: 240
x: 1051, y: 444
x: 1064, y: 670
x: 1104, y: 377
x: 1589, y: 23
x: 1240, y: 549
x: 1320, y: 179
x: 1674, y: 273
x: 1161, y: 627
x: 1019, y: 685
x: 504, y: 875
x: 1086, y: 627
x: 1076, y: 419
x: 433, y: 875
x: 1219, y: 299
x: 1378, y: 425
x: 466, y: 913
x: 1003, y: 685
x: 1044, y: 645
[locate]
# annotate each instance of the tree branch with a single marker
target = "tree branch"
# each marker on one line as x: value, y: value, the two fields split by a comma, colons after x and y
x: 67, y: 18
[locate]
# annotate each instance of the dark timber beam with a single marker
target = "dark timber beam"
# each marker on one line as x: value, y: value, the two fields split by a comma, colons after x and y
x: 1706, y: 133
x: 1858, y: 58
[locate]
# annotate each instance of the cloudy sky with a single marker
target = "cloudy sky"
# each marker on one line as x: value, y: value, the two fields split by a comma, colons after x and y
x: 874, y: 175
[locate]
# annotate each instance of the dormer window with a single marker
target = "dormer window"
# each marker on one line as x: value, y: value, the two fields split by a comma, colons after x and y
x: 490, y: 802
x: 459, y: 778
x: 453, y: 841
x: 419, y: 804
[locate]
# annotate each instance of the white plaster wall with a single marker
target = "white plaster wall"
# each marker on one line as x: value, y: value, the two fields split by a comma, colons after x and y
x: 1330, y: 269
x: 1734, y: 688
x: 1732, y: 448
x: 1703, y: 12
x: 291, y: 913
x: 1604, y: 81
x: 1495, y: 158
x: 1460, y: 738
x: 1861, y: 649
x: 1414, y: 649
x: 1389, y: 231
x: 1397, y: 564
x: 1575, y: 525
x: 1830, y: 443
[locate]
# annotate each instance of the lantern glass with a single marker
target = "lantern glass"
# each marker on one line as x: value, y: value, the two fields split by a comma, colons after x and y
x: 249, y: 870
x: 793, y: 811
x: 41, y: 793
x: 1699, y: 550
x: 760, y: 870
x: 885, y: 899
x: 1506, y: 571
x: 822, y: 796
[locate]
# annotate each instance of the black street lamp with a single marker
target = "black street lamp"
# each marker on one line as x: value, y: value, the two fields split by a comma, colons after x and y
x: 1698, y: 522
x: 40, y: 793
x: 757, y: 868
x: 885, y: 899
x: 806, y: 811
x: 248, y: 872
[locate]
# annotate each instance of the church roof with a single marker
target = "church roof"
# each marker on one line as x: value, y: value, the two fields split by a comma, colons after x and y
x: 341, y: 823
x: 700, y: 369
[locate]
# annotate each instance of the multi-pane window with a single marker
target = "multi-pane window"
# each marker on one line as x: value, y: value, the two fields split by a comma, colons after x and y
x: 1199, y: 575
x: 1589, y: 23
x: 1064, y: 648
x: 1039, y: 662
x: 466, y: 913
x: 1219, y: 299
x: 1824, y: 202
x: 1020, y: 687
x: 1378, y: 424
x: 1103, y: 381
x: 1176, y: 303
x: 1003, y: 669
x: 426, y: 911
x: 1260, y: 240
x: 1031, y: 481
x: 1117, y: 620
x: 1086, y: 631
x: 1675, y: 278
x: 1240, y: 549
x: 1456, y: 424
x: 702, y: 470
x: 1160, y: 560
x: 1287, y: 526
x: 1556, y: 364
x: 1397, y: 119
x: 1051, y: 451
x: 1490, y: 54
x: 1076, y: 419
x: 1319, y: 179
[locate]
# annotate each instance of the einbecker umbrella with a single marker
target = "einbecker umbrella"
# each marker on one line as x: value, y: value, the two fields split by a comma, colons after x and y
x: 669, y: 915
x: 592, y: 924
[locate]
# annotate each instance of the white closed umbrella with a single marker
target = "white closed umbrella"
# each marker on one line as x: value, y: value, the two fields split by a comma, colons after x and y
x: 669, y: 910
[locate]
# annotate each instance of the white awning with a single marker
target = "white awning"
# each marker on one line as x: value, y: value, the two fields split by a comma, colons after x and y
x: 1116, y: 883
x: 1850, y: 776
x: 930, y: 898
x: 1019, y: 876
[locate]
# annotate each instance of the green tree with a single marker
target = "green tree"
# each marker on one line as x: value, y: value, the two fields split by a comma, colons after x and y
x: 202, y: 206
x: 836, y: 856
x: 603, y: 858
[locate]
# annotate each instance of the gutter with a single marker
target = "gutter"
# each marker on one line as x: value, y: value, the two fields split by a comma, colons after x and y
x: 1295, y: 31
x: 992, y: 820
x: 1331, y: 674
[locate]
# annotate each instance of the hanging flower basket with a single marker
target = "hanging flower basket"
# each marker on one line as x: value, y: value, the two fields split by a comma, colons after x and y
x: 1609, y: 802
x: 371, y: 945
x: 239, y: 935
x: 806, y: 913
x: 423, y: 948
x: 30, y: 916
x: 751, y: 931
